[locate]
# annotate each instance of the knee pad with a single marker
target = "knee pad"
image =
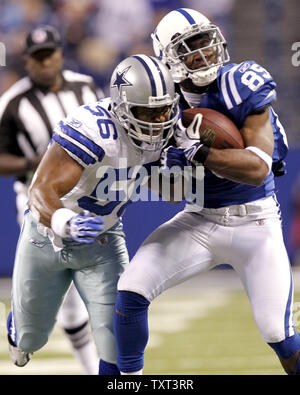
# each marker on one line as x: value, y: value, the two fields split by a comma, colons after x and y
x: 270, y: 325
x: 31, y: 342
x: 26, y: 340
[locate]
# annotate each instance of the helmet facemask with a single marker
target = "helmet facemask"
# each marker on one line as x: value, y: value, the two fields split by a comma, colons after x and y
x: 148, y: 136
x: 178, y: 50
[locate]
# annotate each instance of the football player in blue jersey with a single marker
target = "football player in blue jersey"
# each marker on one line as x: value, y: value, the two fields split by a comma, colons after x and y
x: 239, y: 223
x: 73, y: 230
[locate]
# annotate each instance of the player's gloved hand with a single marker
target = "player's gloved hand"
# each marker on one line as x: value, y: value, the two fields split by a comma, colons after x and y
x: 173, y: 159
x: 186, y: 137
x: 84, y: 228
x: 197, y: 153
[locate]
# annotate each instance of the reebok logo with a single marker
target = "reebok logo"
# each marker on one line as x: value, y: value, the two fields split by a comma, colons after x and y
x: 37, y: 243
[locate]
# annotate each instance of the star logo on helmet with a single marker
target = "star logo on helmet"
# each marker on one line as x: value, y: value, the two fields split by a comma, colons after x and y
x: 121, y: 80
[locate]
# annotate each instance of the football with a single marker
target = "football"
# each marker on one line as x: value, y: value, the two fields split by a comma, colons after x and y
x: 216, y: 130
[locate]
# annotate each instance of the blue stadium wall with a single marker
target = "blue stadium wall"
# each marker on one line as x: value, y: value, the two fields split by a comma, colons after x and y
x: 140, y: 218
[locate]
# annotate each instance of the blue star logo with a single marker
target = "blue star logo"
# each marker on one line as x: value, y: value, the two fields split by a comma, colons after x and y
x: 121, y: 80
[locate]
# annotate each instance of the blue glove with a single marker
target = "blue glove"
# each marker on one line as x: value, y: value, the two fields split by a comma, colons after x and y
x: 85, y: 228
x: 174, y: 156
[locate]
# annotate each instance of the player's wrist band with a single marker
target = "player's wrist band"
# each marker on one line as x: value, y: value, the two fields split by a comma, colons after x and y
x: 59, y: 221
x: 198, y: 153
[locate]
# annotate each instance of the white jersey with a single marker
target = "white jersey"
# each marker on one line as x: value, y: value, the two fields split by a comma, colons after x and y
x: 112, y: 165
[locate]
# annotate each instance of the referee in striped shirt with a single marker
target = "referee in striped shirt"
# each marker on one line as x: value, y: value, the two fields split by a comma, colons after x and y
x: 29, y: 110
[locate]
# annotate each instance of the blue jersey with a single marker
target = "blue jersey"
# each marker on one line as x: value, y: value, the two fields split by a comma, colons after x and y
x: 241, y: 89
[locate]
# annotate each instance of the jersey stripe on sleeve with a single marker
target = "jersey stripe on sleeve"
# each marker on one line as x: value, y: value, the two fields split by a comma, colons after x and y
x: 229, y: 89
x: 225, y: 92
x: 237, y: 98
x: 76, y: 152
x: 83, y: 140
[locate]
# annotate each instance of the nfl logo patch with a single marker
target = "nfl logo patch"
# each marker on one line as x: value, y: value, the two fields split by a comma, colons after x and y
x: 39, y: 36
x: 260, y: 222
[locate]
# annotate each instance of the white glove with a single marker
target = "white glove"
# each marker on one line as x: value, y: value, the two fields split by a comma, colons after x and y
x: 186, y: 137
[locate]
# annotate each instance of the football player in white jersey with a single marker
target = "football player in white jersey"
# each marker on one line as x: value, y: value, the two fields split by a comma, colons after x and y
x: 239, y: 223
x: 72, y: 230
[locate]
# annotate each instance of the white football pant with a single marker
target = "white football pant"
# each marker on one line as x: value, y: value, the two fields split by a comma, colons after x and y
x: 248, y: 237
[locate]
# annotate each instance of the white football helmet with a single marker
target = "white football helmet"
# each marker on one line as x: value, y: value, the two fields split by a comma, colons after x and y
x: 144, y: 81
x: 170, y: 45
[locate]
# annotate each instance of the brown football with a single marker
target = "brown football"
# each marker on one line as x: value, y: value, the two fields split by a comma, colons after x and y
x: 216, y: 130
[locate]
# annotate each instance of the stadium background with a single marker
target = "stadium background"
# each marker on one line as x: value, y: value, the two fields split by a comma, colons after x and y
x: 98, y: 33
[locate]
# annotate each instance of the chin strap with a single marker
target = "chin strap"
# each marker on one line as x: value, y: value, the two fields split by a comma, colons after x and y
x: 208, y: 77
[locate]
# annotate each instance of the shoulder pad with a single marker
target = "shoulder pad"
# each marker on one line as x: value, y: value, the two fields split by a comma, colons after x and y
x: 78, y: 133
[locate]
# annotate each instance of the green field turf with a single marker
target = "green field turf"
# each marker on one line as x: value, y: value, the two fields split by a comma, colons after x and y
x: 205, y: 333
x: 224, y: 341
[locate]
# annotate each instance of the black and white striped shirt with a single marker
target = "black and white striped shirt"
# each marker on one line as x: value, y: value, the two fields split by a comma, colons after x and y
x: 28, y: 113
